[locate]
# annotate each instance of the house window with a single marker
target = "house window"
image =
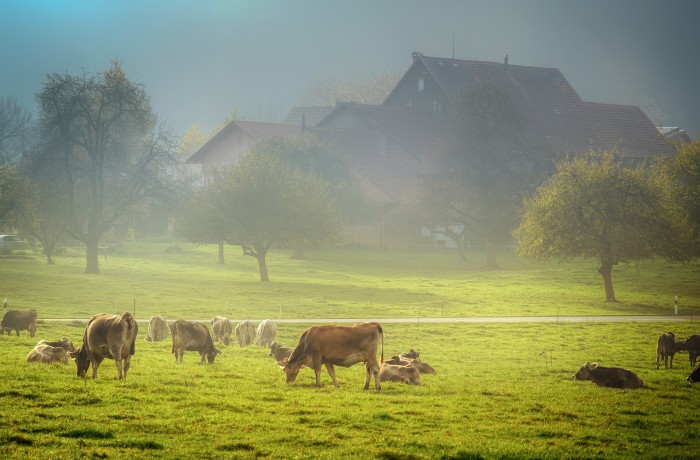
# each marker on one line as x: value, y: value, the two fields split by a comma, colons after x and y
x: 421, y: 85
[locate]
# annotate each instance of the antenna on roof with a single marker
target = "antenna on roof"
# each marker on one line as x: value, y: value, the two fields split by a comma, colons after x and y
x: 303, y: 123
x: 453, y: 44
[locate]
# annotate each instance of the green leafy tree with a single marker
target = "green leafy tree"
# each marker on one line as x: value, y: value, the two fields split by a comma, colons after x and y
x: 684, y: 172
x: 593, y: 207
x: 112, y: 154
x: 308, y: 155
x: 263, y: 202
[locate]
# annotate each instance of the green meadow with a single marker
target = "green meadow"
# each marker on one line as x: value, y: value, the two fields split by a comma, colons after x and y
x: 502, y: 390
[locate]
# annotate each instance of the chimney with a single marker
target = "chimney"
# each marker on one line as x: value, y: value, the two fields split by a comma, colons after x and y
x: 416, y: 55
x: 505, y: 61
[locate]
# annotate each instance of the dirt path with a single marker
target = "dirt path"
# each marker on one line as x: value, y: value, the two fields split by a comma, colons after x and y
x: 490, y: 319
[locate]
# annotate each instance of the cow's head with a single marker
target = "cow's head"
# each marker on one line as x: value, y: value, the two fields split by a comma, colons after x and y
x: 211, y: 356
x: 585, y: 373
x: 694, y: 376
x: 227, y: 339
x: 82, y: 361
x: 66, y: 344
x: 290, y: 372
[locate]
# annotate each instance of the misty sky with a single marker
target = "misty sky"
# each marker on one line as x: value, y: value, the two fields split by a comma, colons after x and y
x: 198, y: 60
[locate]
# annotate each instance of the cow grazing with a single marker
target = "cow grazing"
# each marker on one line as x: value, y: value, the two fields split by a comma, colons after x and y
x: 107, y: 336
x: 337, y: 346
x: 19, y: 320
x: 192, y: 336
x: 222, y: 328
x: 611, y: 377
x: 694, y: 376
x: 45, y: 353
x: 665, y: 349
x: 245, y: 333
x: 399, y: 373
x: 279, y: 352
x: 266, y: 333
x: 692, y: 346
x: 157, y: 329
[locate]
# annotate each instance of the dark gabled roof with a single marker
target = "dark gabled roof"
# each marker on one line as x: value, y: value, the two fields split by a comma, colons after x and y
x: 625, y: 128
x: 415, y: 131
x: 312, y: 115
x: 257, y: 131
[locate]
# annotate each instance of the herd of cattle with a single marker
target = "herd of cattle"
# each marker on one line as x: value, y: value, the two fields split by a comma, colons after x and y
x: 114, y: 337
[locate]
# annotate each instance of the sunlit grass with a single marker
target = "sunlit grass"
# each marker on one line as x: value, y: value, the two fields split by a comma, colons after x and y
x: 338, y: 284
x: 501, y: 391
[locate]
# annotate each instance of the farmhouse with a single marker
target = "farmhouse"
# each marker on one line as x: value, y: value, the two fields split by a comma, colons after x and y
x: 388, y: 145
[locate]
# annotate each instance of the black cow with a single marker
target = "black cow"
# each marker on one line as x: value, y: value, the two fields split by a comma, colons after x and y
x: 694, y: 376
x: 611, y: 377
x: 692, y: 346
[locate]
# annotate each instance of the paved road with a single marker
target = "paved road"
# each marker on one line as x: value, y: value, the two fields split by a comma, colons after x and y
x: 490, y: 319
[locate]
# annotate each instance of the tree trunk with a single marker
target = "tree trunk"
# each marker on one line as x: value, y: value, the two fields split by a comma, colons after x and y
x: 491, y: 254
x: 606, y: 272
x: 92, y: 249
x: 49, y: 250
x: 262, y: 265
x: 221, y: 252
x: 460, y: 249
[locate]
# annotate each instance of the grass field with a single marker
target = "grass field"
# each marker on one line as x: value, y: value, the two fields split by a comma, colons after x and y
x: 501, y: 390
x: 338, y: 284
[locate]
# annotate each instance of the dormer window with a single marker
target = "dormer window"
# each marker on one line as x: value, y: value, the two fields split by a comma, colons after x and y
x: 421, y: 85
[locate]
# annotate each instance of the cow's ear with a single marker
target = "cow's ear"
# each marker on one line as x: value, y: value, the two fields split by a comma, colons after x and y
x: 593, y: 365
x: 282, y: 364
x: 72, y: 354
x: 218, y: 352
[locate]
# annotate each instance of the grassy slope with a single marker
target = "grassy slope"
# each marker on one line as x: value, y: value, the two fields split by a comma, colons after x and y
x: 337, y: 284
x: 496, y: 395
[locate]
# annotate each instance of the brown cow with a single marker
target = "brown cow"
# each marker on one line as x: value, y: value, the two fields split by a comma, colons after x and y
x: 266, y: 333
x: 192, y: 336
x: 692, y: 346
x: 337, y: 346
x: 665, y: 348
x: 45, y: 353
x: 245, y: 333
x: 694, y: 376
x: 107, y: 336
x: 222, y: 328
x: 157, y: 329
x: 279, y: 352
x: 19, y: 320
x: 399, y: 373
x: 611, y: 377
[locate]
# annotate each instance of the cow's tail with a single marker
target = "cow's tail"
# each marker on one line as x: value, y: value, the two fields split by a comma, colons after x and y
x: 381, y: 336
x: 130, y: 329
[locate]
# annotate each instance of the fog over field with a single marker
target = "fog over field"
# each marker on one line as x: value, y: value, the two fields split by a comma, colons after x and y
x: 200, y: 60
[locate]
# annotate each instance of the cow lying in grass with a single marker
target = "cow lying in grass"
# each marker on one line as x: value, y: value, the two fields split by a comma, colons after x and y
x: 611, y: 377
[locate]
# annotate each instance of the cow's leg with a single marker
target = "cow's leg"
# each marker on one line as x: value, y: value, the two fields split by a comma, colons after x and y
x: 671, y: 363
x: 118, y: 362
x: 331, y: 372
x: 127, y: 362
x: 375, y: 371
x: 95, y: 364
